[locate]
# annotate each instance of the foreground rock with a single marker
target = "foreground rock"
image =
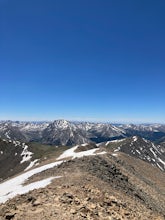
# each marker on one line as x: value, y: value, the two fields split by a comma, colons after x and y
x: 95, y: 187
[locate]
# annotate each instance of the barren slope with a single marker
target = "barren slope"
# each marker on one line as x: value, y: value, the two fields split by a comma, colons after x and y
x: 94, y: 187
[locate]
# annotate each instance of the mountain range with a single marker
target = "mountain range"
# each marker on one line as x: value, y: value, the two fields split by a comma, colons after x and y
x: 81, y: 170
x: 67, y: 133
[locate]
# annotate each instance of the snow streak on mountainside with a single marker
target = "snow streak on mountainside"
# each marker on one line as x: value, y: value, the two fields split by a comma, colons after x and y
x: 14, y: 186
x: 15, y: 157
x: 141, y: 149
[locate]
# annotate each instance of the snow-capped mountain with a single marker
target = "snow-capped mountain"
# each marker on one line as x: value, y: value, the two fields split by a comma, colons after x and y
x: 102, y: 131
x: 8, y: 131
x: 142, y: 149
x: 24, y: 131
x: 153, y: 132
x: 62, y: 132
x: 32, y: 130
x: 145, y: 127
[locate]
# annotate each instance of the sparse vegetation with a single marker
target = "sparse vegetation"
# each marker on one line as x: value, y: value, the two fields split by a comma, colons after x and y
x: 42, y: 150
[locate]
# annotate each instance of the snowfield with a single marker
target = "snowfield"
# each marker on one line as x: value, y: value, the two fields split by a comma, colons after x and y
x: 71, y: 153
x: 15, y: 186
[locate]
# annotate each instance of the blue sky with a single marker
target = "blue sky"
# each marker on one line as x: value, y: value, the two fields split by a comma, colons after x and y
x: 82, y: 60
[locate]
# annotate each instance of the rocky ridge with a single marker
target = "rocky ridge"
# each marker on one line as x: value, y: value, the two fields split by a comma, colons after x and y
x: 97, y: 187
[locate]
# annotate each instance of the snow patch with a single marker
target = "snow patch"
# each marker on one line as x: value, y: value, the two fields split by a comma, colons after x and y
x: 7, y: 135
x: 84, y: 144
x: 31, y: 164
x: 71, y: 153
x: 145, y: 140
x: 138, y: 151
x: 118, y: 129
x: 115, y: 155
x: 19, y: 190
x: 114, y: 141
x: 161, y: 161
x: 27, y: 155
x: 135, y: 138
x: 153, y: 152
x: 159, y: 167
x: 14, y: 186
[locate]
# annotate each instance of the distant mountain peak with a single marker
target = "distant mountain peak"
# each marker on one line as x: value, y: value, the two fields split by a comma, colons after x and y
x: 62, y: 132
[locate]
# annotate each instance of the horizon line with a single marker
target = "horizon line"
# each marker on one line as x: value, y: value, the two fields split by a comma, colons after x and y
x: 81, y: 120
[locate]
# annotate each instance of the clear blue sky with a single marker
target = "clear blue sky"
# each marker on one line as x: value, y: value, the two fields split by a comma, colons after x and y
x: 82, y: 60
